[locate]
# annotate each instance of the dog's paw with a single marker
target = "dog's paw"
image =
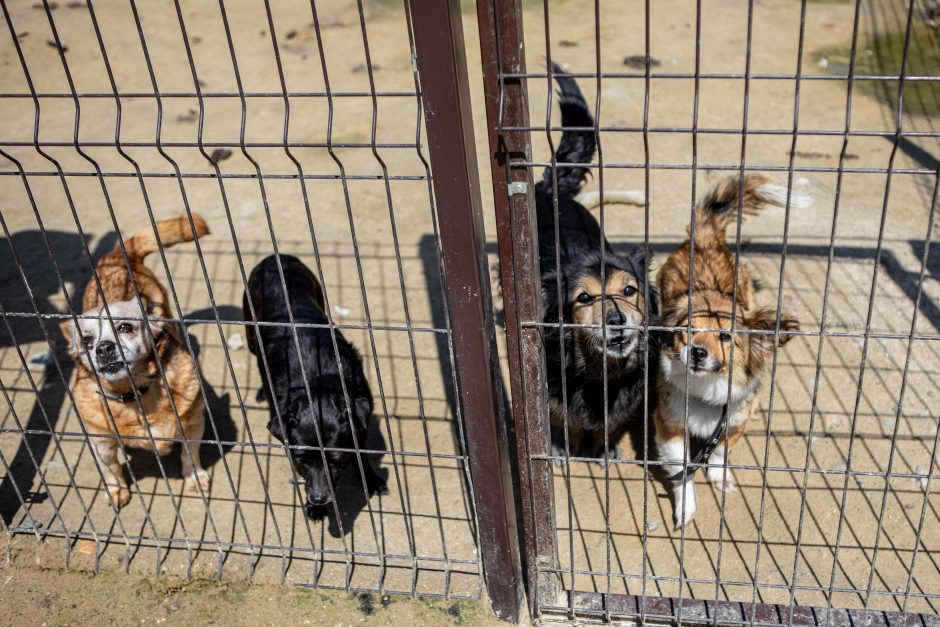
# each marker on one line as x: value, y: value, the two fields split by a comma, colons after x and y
x: 724, y: 484
x: 607, y: 458
x: 558, y: 452
x: 196, y: 481
x: 684, y: 504
x: 121, y: 496
x: 378, y: 485
x: 316, y: 512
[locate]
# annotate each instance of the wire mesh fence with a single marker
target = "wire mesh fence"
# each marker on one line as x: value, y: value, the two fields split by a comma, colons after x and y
x: 833, y: 505
x: 298, y: 128
x: 289, y: 131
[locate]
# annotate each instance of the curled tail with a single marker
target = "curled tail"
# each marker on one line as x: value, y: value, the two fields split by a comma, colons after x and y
x: 171, y: 231
x: 719, y: 207
x: 575, y: 146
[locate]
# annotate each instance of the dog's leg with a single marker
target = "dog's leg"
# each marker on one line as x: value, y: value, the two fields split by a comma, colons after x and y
x: 106, y: 454
x: 604, y: 456
x: 674, y: 450
x: 194, y: 476
x: 718, y: 475
x: 375, y: 482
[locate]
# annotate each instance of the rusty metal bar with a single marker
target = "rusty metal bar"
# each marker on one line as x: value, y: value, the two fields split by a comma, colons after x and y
x: 442, y: 68
x: 503, y: 51
x: 665, y: 610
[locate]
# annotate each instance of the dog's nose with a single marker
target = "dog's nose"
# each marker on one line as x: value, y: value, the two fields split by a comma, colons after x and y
x: 698, y: 353
x: 319, y: 495
x: 616, y: 318
x: 106, y: 350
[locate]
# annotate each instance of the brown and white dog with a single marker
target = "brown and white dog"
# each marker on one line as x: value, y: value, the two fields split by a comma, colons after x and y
x: 120, y: 358
x: 695, y: 370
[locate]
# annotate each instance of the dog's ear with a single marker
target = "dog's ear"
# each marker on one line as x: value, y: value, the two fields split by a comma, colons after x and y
x: 363, y: 408
x: 156, y: 326
x: 67, y: 327
x: 550, y: 285
x: 642, y: 258
x: 765, y: 319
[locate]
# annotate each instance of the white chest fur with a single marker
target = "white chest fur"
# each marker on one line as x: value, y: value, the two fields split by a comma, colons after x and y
x: 707, y: 395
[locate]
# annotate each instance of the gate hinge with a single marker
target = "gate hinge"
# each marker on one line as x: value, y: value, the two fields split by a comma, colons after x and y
x: 520, y: 187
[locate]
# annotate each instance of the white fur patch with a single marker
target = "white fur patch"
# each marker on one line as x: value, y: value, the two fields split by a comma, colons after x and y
x: 777, y: 195
x: 592, y: 199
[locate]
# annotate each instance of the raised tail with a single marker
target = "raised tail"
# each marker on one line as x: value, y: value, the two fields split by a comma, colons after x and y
x: 171, y: 231
x: 719, y: 207
x: 575, y: 146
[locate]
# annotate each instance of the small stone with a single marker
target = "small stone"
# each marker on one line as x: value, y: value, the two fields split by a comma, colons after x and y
x: 219, y: 154
x: 236, y: 341
x: 824, y: 63
x: 342, y: 312
x: 28, y: 526
x: 921, y: 481
x: 86, y: 547
x: 652, y: 526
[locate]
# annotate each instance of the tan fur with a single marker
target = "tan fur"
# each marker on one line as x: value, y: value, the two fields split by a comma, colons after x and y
x: 593, y: 313
x: 102, y: 416
x: 710, y: 304
x: 112, y: 268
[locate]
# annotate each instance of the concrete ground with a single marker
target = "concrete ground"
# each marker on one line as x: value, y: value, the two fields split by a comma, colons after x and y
x: 804, y: 522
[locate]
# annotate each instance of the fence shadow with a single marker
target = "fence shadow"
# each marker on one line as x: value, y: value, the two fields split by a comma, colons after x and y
x: 30, y: 249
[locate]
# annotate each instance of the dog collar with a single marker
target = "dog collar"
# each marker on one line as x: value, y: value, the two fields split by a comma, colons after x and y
x: 126, y: 397
x: 710, y: 445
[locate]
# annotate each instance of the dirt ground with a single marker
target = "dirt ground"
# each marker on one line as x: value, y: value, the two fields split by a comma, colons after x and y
x: 805, y: 522
x: 30, y: 595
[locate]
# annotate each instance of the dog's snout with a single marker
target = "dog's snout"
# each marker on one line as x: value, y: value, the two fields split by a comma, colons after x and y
x: 616, y: 318
x: 319, y: 494
x: 106, y: 351
x: 698, y: 353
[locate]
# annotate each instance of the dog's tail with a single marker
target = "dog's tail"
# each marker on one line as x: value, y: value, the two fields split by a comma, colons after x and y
x: 576, y: 146
x: 719, y: 207
x: 171, y: 231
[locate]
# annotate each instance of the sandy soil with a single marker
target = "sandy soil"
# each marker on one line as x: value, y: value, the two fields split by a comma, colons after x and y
x: 251, y: 526
x: 34, y: 596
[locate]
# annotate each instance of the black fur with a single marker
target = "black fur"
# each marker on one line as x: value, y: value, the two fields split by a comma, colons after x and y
x: 579, y: 254
x: 329, y: 413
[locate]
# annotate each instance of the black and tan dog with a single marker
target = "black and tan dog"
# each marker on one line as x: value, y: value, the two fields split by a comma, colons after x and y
x: 323, y: 423
x: 616, y: 308
x: 118, y: 372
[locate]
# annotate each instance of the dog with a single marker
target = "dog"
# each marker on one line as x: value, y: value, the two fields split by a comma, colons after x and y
x: 699, y: 367
x: 339, y: 405
x: 120, y: 358
x: 615, y: 347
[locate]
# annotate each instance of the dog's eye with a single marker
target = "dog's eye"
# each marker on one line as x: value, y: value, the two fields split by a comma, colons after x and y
x: 724, y: 337
x: 629, y: 290
x: 88, y: 341
x: 125, y: 327
x: 584, y: 297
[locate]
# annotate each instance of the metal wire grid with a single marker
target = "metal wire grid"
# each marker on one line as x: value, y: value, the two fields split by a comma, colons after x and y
x: 366, y: 557
x: 600, y: 561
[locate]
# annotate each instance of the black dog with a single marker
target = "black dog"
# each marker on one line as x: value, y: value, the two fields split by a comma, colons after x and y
x: 571, y: 276
x: 326, y: 423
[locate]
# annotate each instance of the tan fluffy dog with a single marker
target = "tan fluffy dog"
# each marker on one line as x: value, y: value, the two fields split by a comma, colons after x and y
x: 695, y: 369
x: 120, y: 358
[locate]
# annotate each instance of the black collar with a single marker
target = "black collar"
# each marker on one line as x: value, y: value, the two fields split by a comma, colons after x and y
x: 710, y: 445
x: 127, y: 397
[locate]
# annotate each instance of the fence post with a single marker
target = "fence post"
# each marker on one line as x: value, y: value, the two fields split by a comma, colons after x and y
x: 442, y: 69
x: 507, y: 105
